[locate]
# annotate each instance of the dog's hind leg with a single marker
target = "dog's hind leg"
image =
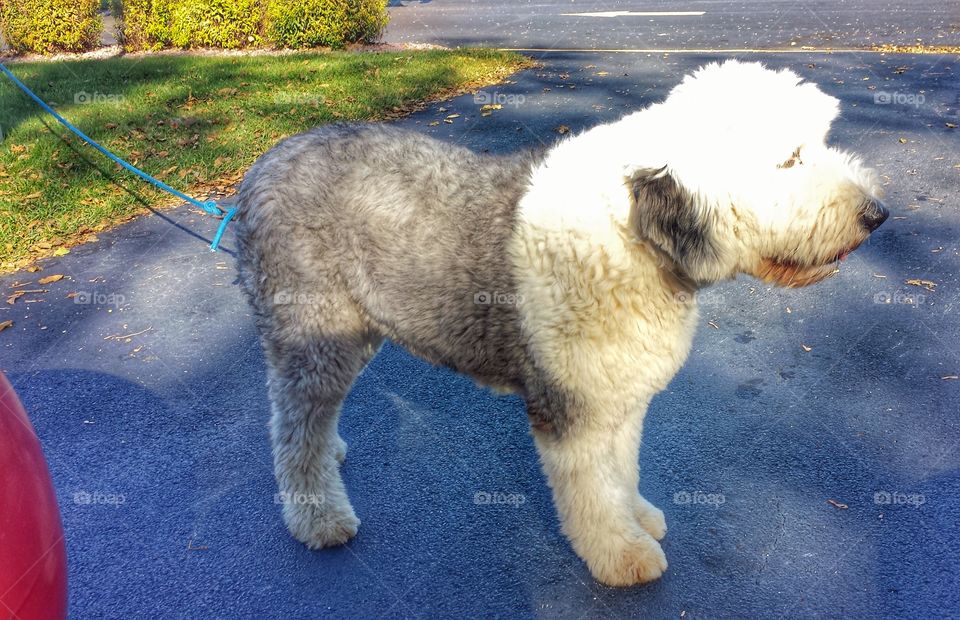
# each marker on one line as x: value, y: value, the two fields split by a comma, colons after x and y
x: 315, y: 351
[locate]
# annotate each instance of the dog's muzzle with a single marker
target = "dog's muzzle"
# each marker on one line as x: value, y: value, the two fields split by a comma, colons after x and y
x: 872, y: 214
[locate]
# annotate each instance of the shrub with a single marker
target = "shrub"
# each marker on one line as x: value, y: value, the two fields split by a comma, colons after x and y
x: 44, y: 26
x: 155, y: 24
x: 331, y: 23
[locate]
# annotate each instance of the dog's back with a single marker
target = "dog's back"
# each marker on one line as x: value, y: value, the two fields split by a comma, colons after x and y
x: 414, y: 230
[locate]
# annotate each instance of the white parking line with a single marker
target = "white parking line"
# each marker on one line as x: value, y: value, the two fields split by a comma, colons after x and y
x: 637, y: 14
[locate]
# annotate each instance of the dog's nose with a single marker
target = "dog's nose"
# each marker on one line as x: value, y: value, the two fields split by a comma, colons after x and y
x: 873, y: 214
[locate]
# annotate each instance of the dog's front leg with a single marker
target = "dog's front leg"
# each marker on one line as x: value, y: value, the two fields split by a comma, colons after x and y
x: 591, y: 463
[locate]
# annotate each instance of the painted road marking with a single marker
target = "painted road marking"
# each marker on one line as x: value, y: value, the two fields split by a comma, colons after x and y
x: 745, y: 50
x: 637, y: 14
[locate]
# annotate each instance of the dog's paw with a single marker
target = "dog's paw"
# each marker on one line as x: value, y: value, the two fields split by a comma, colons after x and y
x: 651, y: 518
x: 340, y: 449
x: 319, y: 526
x: 636, y: 560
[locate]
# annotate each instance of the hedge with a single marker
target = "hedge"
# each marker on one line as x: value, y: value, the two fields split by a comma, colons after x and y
x: 330, y: 23
x: 229, y: 24
x: 45, y: 26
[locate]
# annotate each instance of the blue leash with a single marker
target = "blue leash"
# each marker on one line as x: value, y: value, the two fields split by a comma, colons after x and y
x: 209, y: 206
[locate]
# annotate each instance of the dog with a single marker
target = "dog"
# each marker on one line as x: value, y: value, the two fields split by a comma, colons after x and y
x: 564, y: 275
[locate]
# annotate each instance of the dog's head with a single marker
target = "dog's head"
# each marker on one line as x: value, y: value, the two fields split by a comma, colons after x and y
x: 745, y: 182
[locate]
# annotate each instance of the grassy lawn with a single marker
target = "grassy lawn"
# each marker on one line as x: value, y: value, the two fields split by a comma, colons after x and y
x: 196, y: 122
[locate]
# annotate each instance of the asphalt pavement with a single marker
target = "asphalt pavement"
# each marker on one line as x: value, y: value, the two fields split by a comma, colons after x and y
x: 666, y: 24
x: 806, y: 457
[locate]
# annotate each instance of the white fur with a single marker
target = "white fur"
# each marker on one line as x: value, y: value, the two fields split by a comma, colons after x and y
x: 602, y: 305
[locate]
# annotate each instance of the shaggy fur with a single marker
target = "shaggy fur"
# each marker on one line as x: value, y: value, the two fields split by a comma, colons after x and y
x: 563, y: 276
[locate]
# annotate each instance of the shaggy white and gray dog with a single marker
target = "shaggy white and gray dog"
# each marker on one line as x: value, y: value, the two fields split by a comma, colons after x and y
x: 559, y: 275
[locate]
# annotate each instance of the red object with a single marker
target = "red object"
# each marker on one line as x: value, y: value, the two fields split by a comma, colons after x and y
x: 33, y: 556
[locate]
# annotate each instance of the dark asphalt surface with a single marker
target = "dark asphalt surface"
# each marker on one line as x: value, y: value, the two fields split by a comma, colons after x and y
x: 158, y: 445
x: 724, y: 24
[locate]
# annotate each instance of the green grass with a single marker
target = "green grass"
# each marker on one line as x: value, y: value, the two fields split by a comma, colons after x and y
x: 197, y: 122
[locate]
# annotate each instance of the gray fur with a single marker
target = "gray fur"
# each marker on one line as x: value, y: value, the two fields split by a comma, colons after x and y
x: 350, y: 234
x: 665, y: 213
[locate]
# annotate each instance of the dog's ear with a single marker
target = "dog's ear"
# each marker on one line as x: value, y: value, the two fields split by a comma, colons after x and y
x: 666, y: 214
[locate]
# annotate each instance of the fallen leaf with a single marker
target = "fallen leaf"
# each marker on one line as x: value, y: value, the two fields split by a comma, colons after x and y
x: 49, y: 279
x: 5, y: 324
x: 33, y: 269
x: 127, y: 337
x: 927, y: 284
x: 16, y: 295
x: 453, y: 116
x: 903, y: 140
x: 951, y: 125
x: 837, y: 504
x: 61, y: 252
x: 562, y: 129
